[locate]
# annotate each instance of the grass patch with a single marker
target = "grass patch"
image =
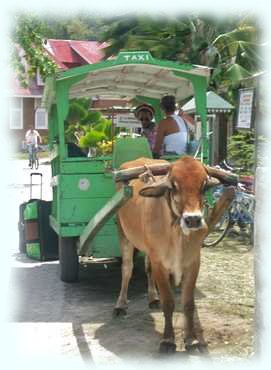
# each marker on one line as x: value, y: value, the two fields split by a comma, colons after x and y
x: 25, y: 155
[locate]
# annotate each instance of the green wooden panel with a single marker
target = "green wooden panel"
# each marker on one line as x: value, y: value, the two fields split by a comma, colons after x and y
x: 103, y: 215
x: 128, y: 149
x: 106, y: 246
x: 85, y: 165
x: 108, y: 229
x: 80, y: 209
x: 54, y: 209
x: 85, y: 186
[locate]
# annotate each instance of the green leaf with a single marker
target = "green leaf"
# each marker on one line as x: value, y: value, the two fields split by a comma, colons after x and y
x: 236, y: 73
x: 91, y: 139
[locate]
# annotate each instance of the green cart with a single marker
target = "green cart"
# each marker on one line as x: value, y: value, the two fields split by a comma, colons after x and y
x: 85, y: 199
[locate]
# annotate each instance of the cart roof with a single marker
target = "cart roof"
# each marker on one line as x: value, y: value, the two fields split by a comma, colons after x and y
x: 129, y: 75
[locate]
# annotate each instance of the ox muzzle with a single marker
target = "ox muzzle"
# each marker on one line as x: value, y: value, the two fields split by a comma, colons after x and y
x: 192, y: 221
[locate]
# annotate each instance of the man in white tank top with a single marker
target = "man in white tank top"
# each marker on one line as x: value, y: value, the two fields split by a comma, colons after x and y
x: 172, y: 132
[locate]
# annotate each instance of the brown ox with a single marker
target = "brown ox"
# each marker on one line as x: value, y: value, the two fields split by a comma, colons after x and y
x: 164, y: 219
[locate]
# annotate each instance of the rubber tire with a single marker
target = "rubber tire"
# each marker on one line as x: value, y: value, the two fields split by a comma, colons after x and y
x: 221, y: 236
x: 68, y: 260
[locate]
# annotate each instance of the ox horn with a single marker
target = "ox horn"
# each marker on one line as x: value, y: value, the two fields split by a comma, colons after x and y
x: 221, y: 176
x: 211, y: 182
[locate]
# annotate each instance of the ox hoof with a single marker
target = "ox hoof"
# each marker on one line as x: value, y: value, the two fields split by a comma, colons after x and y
x: 118, y: 311
x: 191, y: 344
x: 167, y: 347
x: 154, y: 304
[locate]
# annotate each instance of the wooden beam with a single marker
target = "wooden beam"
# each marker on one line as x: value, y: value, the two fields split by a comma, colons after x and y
x: 132, y: 173
x: 102, y: 216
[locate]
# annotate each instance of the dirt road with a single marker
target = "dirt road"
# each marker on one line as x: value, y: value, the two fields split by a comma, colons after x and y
x: 74, y: 321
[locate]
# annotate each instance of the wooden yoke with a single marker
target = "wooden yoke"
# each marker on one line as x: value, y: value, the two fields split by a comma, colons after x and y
x: 135, y: 172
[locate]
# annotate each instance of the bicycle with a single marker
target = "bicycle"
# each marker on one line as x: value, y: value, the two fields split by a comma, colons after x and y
x: 240, y: 213
x: 33, y: 156
x: 220, y: 229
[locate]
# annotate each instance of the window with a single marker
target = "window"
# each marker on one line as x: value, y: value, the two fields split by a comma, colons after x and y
x: 39, y: 79
x: 41, y: 117
x: 16, y: 114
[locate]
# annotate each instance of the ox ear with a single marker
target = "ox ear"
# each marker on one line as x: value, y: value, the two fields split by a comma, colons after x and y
x: 156, y: 190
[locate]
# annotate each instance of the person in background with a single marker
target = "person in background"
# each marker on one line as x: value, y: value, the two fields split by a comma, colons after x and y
x: 172, y: 132
x: 145, y: 113
x: 193, y: 143
x: 188, y: 119
x: 32, y: 138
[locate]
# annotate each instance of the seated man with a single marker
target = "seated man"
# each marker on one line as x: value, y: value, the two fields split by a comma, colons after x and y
x: 75, y: 151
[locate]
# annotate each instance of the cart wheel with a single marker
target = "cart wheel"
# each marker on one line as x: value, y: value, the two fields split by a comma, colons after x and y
x: 68, y: 259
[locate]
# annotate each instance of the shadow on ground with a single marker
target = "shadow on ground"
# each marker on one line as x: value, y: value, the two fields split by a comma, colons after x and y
x: 89, y: 304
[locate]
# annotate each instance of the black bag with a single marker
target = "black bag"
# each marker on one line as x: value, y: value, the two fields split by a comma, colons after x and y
x: 40, y: 239
x: 36, y: 237
x: 21, y: 227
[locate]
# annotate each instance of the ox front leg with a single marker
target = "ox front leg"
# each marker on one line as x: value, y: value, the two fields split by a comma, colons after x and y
x: 167, y: 345
x: 187, y: 299
x: 152, y: 291
x: 126, y: 273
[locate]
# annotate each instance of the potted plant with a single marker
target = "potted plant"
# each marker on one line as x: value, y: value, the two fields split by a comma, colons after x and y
x: 90, y: 141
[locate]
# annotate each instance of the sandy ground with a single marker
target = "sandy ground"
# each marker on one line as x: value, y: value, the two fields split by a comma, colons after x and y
x: 74, y: 321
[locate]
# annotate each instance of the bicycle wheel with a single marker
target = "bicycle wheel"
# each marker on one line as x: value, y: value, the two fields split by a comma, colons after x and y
x: 247, y: 234
x: 219, y: 230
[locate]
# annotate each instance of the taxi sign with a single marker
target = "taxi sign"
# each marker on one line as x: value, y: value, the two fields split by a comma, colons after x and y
x: 134, y: 57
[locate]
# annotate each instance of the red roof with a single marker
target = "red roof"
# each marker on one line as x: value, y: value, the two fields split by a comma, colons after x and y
x: 32, y: 90
x: 72, y: 53
x: 66, y: 54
